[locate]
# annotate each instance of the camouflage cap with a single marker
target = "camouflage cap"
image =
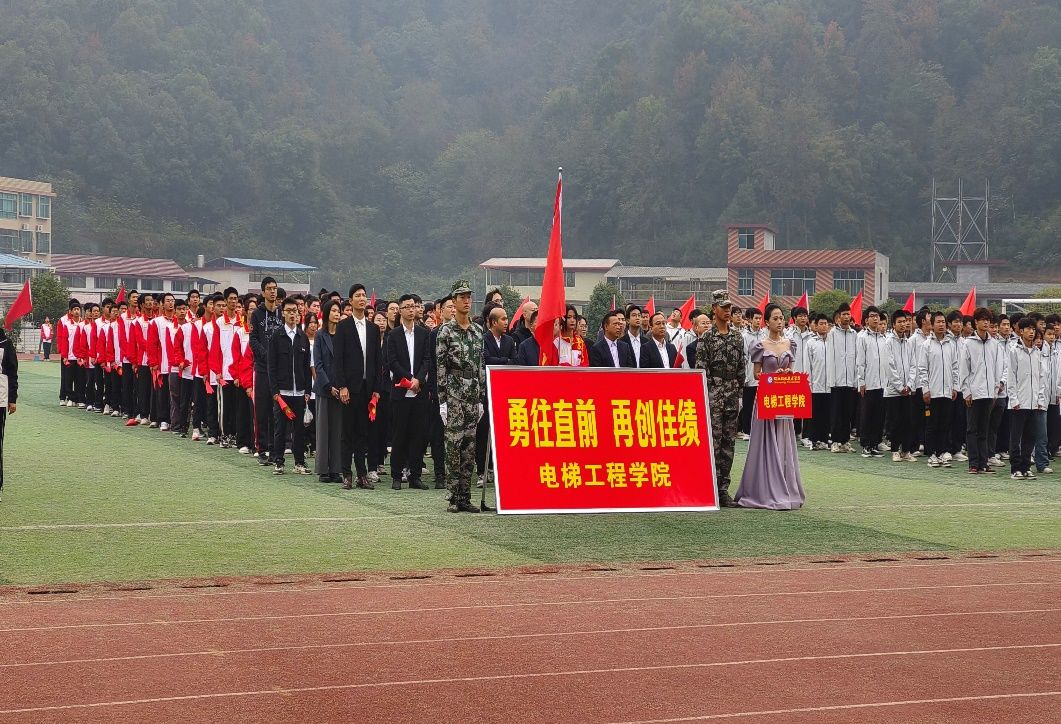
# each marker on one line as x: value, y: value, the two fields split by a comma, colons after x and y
x: 461, y: 286
x: 721, y: 298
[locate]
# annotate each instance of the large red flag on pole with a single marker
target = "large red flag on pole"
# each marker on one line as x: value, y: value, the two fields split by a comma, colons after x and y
x: 856, y: 309
x: 519, y: 311
x: 686, y: 309
x: 19, y: 308
x: 969, y: 305
x: 552, y: 304
x: 909, y: 306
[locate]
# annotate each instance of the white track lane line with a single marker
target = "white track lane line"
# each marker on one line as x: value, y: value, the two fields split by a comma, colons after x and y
x: 508, y: 579
x: 281, y: 691
x: 541, y: 635
x: 524, y: 605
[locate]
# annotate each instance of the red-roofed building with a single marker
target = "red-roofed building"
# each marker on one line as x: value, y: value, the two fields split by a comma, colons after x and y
x: 91, y: 278
x: 756, y: 266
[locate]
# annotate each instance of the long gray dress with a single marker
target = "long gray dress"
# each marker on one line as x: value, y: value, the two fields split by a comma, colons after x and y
x: 771, y: 473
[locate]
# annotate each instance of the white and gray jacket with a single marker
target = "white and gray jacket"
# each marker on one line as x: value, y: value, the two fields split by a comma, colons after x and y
x: 901, y: 367
x: 937, y: 367
x: 981, y: 368
x: 1024, y: 378
x: 871, y: 361
x: 842, y: 346
x: 817, y: 364
x: 801, y: 362
x: 1052, y: 372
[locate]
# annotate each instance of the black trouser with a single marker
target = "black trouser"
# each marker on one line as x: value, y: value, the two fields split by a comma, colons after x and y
x: 78, y: 374
x: 66, y: 380
x: 112, y: 383
x: 143, y: 391
x: 482, y: 442
x: 355, y: 433
x: 821, y: 412
x: 998, y: 427
x: 93, y: 383
x: 919, y: 417
x: 408, y: 436
x: 901, y: 419
x: 47, y: 347
x: 280, y: 426
x: 744, y: 420
x: 437, y: 437
x: 938, y: 426
x: 263, y: 412
x: 128, y: 390
x: 871, y: 428
x: 206, y: 410
x: 184, y: 403
x: 978, y: 419
x: 3, y: 424
x: 1053, y: 429
x: 175, y: 421
x: 1022, y: 428
x: 236, y: 422
x: 843, y: 399
x: 957, y: 425
x: 311, y: 428
x: 161, y: 400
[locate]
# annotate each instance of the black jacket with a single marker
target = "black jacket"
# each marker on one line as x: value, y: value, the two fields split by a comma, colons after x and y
x: 351, y: 367
x: 288, y: 362
x: 639, y: 357
x: 495, y: 355
x: 323, y: 364
x: 397, y: 357
x: 529, y: 353
x: 264, y: 324
x: 9, y: 366
x: 520, y: 334
x: 651, y: 358
x: 601, y: 356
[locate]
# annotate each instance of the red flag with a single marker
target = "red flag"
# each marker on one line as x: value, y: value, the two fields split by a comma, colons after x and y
x: 552, y: 305
x: 650, y: 306
x: 909, y: 306
x: 967, y: 308
x: 613, y: 303
x: 519, y: 311
x: 685, y: 309
x: 372, y: 301
x: 763, y: 303
x: 803, y: 302
x: 856, y: 309
x: 19, y: 308
x: 121, y: 295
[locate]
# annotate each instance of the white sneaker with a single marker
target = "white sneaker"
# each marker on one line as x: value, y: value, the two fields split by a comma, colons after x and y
x: 154, y: 424
x: 946, y: 457
x: 479, y: 482
x: 81, y: 405
x: 1029, y: 475
x: 807, y: 444
x: 1004, y: 456
x: 1017, y: 475
x: 115, y: 413
x: 897, y: 457
x: 287, y: 451
x: 944, y: 463
x: 835, y: 448
x: 211, y: 441
x: 164, y: 426
x: 244, y: 450
x: 917, y: 453
x: 107, y: 410
x: 196, y: 434
x: 743, y: 436
x: 909, y: 458
x: 960, y: 457
x: 381, y: 469
x: 373, y: 477
x: 819, y: 446
x: 1047, y: 470
x: 933, y: 462
x: 884, y: 447
x: 994, y: 461
x: 846, y: 447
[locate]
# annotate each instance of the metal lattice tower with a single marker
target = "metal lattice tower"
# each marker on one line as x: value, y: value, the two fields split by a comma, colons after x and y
x: 960, y: 230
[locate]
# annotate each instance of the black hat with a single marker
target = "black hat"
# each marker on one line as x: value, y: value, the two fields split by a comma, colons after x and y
x: 844, y: 307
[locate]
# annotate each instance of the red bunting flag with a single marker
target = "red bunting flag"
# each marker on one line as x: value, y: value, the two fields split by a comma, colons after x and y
x: 686, y: 309
x: 552, y: 306
x: 763, y: 303
x: 121, y: 295
x: 909, y: 306
x: 372, y: 301
x: 515, y: 317
x: 969, y: 305
x: 856, y: 309
x: 803, y: 302
x: 19, y: 308
x: 650, y: 306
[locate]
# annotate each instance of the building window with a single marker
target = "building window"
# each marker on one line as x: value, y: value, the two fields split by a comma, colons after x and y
x: 44, y: 207
x: 849, y: 280
x: 524, y: 277
x: 11, y: 275
x: 44, y: 242
x: 746, y: 238
x: 791, y: 282
x: 74, y: 282
x: 180, y: 285
x: 27, y: 241
x: 150, y: 285
x: 8, y: 204
x: 745, y: 283
x: 281, y: 277
x: 107, y: 283
x: 25, y: 205
x: 9, y: 241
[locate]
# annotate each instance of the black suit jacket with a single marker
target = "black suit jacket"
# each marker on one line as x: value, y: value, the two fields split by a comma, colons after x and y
x: 651, y: 358
x: 397, y: 357
x: 690, y: 353
x: 505, y: 354
x: 601, y: 356
x: 288, y: 362
x: 350, y: 364
x: 529, y: 353
x: 639, y: 359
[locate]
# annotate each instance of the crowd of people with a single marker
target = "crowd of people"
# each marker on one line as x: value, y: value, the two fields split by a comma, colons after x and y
x: 357, y: 383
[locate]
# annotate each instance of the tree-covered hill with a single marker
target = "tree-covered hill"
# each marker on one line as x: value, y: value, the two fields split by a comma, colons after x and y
x: 425, y: 134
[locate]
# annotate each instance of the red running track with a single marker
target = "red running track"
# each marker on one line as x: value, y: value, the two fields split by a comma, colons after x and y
x: 959, y: 640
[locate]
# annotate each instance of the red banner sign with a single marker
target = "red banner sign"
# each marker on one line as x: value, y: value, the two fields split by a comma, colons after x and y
x: 783, y: 395
x: 600, y: 440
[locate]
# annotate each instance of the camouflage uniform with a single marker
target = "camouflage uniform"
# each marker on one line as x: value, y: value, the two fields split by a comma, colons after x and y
x: 461, y: 386
x: 723, y: 357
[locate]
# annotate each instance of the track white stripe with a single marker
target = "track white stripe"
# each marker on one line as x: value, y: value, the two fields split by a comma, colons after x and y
x: 207, y: 523
x: 529, y: 604
x: 281, y: 691
x: 538, y: 635
x: 504, y: 578
x: 845, y: 707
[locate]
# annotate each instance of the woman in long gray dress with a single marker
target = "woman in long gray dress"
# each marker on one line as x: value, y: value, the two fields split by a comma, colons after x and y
x: 328, y: 461
x: 771, y: 473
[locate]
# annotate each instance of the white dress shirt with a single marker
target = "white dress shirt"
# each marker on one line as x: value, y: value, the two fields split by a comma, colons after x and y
x: 409, y: 337
x: 614, y: 349
x: 362, y: 335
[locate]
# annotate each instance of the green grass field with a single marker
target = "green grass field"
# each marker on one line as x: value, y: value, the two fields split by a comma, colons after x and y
x: 203, y: 511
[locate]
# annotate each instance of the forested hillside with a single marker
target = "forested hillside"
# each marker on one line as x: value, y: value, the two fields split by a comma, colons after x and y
x: 425, y: 134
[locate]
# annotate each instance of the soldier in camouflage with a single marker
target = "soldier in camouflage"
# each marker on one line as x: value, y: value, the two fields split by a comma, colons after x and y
x: 721, y: 354
x: 461, y: 386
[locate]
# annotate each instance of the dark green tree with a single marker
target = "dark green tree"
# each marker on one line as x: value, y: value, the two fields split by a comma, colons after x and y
x: 600, y: 301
